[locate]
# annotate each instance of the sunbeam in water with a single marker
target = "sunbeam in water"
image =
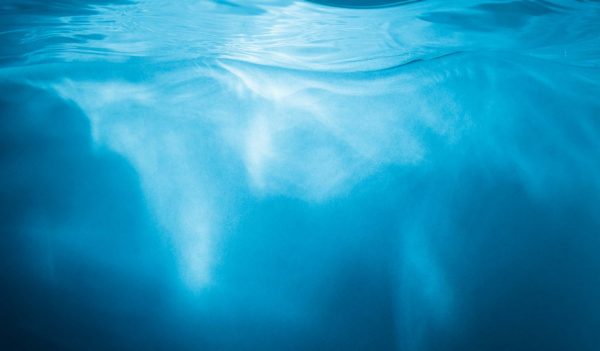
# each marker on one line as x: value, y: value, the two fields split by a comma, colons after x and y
x: 290, y: 175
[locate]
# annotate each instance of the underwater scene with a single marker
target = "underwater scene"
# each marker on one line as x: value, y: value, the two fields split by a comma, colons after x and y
x: 270, y: 175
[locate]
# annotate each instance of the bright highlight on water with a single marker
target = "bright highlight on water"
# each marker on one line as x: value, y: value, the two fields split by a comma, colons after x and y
x: 300, y: 175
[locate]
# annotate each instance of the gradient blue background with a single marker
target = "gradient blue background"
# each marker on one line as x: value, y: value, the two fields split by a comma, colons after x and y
x: 286, y: 175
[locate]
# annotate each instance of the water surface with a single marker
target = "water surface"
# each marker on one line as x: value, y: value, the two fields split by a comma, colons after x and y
x: 289, y: 175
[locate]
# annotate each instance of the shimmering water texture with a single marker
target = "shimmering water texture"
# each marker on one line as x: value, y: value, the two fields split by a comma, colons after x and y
x: 286, y: 175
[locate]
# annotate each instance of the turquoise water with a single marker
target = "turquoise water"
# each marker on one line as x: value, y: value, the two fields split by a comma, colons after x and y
x: 289, y: 175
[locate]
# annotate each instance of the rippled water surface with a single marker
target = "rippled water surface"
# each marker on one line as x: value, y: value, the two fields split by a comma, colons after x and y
x: 289, y: 175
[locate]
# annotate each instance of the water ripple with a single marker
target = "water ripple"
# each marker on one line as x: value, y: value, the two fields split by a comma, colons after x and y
x: 299, y: 35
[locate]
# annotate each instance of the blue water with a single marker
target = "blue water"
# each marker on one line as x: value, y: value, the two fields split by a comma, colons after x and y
x: 289, y: 175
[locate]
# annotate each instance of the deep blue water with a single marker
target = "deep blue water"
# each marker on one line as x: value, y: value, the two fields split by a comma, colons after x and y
x: 289, y: 175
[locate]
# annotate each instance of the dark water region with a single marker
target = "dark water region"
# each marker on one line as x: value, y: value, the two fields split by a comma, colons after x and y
x: 289, y: 175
